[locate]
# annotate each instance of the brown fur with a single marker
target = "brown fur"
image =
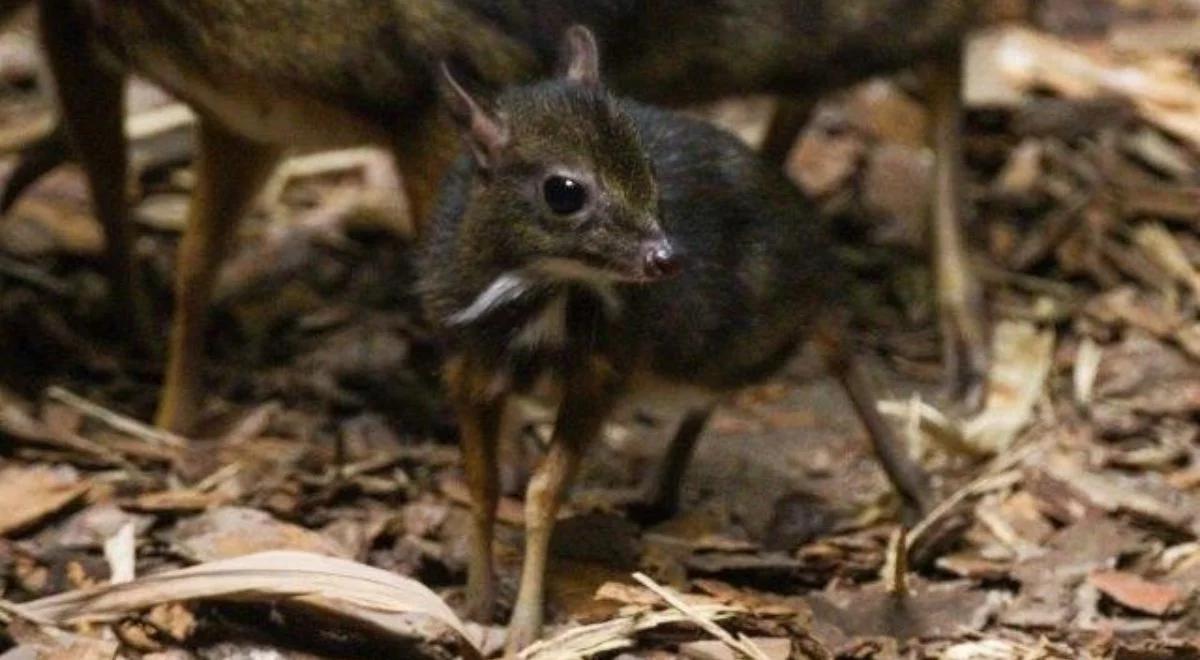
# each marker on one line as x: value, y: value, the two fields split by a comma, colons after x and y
x: 333, y: 72
x: 539, y: 295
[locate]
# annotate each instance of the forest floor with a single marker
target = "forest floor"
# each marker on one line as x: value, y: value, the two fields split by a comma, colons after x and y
x: 1070, y: 524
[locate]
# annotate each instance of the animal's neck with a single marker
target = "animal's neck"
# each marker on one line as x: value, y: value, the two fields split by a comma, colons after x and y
x: 527, y: 313
x: 541, y: 332
x: 526, y: 286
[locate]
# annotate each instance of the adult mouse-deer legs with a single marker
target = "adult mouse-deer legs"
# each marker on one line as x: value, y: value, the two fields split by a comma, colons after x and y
x: 230, y: 170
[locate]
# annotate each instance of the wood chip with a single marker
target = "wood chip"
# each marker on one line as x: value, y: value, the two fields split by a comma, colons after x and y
x: 232, y: 532
x: 1137, y: 593
x: 32, y: 494
x: 777, y: 648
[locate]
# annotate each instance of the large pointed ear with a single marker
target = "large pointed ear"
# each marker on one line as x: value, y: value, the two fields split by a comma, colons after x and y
x: 485, y: 132
x: 580, y: 57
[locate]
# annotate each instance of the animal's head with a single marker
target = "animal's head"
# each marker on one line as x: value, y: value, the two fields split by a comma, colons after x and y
x: 562, y: 184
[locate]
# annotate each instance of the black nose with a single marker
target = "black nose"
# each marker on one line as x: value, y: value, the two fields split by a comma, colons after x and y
x: 660, y: 259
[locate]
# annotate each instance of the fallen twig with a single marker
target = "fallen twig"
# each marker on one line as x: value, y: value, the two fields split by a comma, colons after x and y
x: 612, y: 635
x: 16, y: 423
x: 116, y: 420
x: 995, y: 477
x: 739, y: 645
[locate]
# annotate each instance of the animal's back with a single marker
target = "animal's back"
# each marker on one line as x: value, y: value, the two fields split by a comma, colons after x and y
x: 375, y: 59
x: 686, y: 51
x: 759, y: 268
x: 369, y: 62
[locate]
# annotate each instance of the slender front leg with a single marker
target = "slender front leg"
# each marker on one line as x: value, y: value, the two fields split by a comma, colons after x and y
x: 662, y: 496
x: 230, y: 170
x: 586, y: 403
x: 789, y: 119
x: 959, y: 299
x: 91, y: 97
x: 478, y: 424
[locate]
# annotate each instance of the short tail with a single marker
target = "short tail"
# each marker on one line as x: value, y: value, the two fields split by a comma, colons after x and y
x: 35, y: 160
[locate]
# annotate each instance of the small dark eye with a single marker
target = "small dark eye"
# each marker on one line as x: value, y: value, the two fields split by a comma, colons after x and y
x: 563, y: 195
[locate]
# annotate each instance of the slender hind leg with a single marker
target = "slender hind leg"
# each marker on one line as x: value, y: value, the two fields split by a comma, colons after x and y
x: 230, y: 170
x: 906, y: 475
x: 959, y: 299
x: 92, y: 101
x: 662, y: 496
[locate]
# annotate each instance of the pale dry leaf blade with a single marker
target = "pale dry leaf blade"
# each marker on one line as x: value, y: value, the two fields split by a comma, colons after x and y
x: 1022, y: 360
x: 1023, y: 355
x: 120, y: 551
x: 349, y: 588
x: 985, y: 649
x: 618, y: 633
x: 1087, y: 366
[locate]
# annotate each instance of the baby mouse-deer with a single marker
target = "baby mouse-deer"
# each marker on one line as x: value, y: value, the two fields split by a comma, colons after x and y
x: 590, y: 252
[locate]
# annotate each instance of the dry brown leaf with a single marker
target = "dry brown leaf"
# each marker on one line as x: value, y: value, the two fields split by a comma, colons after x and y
x: 986, y: 84
x: 1112, y: 491
x: 774, y: 648
x: 931, y: 609
x: 1161, y: 247
x: 1048, y: 583
x: 987, y: 649
x: 1166, y: 96
x: 740, y: 644
x: 823, y: 161
x: 627, y: 594
x: 509, y: 511
x: 1023, y: 170
x: 95, y: 524
x: 176, y: 501
x: 615, y: 634
x: 80, y: 648
x: 232, y: 532
x: 363, y: 593
x: 1022, y: 356
x: 976, y: 568
x: 1137, y: 593
x: 882, y: 110
x: 896, y: 189
x: 33, y: 493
